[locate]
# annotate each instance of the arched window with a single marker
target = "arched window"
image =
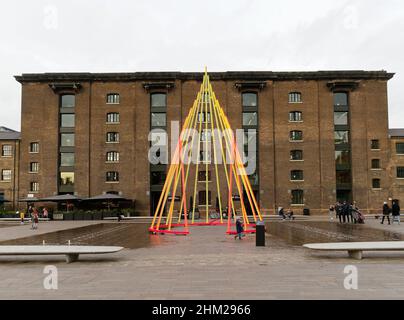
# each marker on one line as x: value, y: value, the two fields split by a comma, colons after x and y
x: 112, y: 156
x: 297, y: 197
x: 250, y: 99
x: 158, y: 100
x: 295, y: 97
x: 68, y: 101
x: 296, y: 136
x: 113, y: 98
x: 296, y: 175
x: 340, y: 99
x: 295, y: 116
x: 296, y: 155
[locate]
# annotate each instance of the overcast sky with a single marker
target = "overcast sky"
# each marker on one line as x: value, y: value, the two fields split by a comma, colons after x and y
x: 185, y: 35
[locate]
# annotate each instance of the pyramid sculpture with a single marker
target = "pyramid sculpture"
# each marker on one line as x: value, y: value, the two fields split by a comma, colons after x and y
x: 208, y: 121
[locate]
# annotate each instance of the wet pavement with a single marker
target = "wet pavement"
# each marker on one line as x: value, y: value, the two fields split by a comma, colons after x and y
x: 207, y: 264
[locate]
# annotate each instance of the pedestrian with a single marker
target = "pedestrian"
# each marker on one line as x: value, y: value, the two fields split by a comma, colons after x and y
x: 45, y: 213
x: 345, y: 212
x: 119, y: 216
x: 290, y: 214
x: 281, y: 213
x: 22, y: 216
x: 239, y: 229
x: 338, y: 211
x: 395, y: 210
x: 331, y: 211
x: 386, y: 213
x: 34, y: 218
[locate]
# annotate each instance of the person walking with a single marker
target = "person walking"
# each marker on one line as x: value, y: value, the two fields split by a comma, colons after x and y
x: 345, y: 212
x: 338, y: 211
x: 239, y: 229
x: 22, y: 216
x: 395, y: 210
x: 386, y: 213
x: 281, y: 213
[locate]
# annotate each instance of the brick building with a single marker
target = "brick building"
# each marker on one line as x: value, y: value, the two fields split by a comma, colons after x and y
x: 9, y: 166
x: 322, y: 135
x: 396, y: 166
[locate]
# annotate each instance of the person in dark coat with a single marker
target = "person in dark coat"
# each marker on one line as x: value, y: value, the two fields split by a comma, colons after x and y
x: 395, y: 210
x: 345, y: 212
x: 386, y: 213
x: 239, y: 229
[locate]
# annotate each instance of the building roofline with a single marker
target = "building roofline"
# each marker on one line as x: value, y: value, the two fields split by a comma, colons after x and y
x: 228, y: 75
x: 396, y: 133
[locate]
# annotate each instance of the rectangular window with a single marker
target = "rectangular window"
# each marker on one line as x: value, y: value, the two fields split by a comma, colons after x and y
x: 375, y: 145
x: 158, y: 178
x: 296, y: 136
x: 295, y: 116
x: 112, y: 137
x: 296, y: 175
x: 68, y: 101
x: 296, y: 155
x: 375, y: 163
x: 34, y: 147
x: 250, y: 119
x: 6, y: 175
x: 67, y: 140
x: 158, y: 120
x: 343, y: 176
x: 342, y: 157
x: 113, y: 117
x: 206, y: 135
x: 202, y: 198
x: 67, y: 120
x: 400, y: 148
x: 34, y: 186
x: 341, y: 137
x: 67, y: 178
x: 376, y: 184
x: 400, y: 172
x: 202, y: 176
x: 295, y: 97
x: 67, y: 159
x: 250, y: 100
x: 201, y: 116
x: 34, y: 167
x: 297, y: 197
x: 341, y: 118
x: 158, y: 100
x: 113, y: 98
x: 7, y: 150
x: 340, y: 99
x: 113, y: 156
x: 112, y: 176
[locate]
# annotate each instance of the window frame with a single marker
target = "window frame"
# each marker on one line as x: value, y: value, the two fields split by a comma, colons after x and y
x: 379, y: 187
x: 399, y: 152
x: 245, y: 93
x: 10, y: 175
x: 67, y: 95
x: 295, y: 97
x: 31, y: 167
x: 31, y: 149
x: 113, y: 114
x: 115, y: 174
x: 296, y: 140
x: 114, y: 95
x: 114, y: 155
x: 153, y: 94
x: 112, y: 134
x: 301, y: 195
x: 4, y: 153
x: 292, y: 116
x: 397, y: 172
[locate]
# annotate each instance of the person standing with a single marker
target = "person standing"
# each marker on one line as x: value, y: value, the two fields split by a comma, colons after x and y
x: 45, y: 213
x: 395, y: 210
x: 22, y: 216
x: 386, y: 213
x: 239, y: 229
x: 281, y: 213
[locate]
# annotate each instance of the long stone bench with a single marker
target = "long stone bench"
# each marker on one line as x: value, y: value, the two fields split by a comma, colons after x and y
x: 71, y: 252
x: 355, y: 249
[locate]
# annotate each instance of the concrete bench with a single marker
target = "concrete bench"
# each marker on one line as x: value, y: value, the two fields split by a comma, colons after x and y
x: 71, y: 252
x: 355, y: 249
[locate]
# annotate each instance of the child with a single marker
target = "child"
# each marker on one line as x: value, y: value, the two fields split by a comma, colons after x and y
x: 239, y: 228
x: 22, y: 216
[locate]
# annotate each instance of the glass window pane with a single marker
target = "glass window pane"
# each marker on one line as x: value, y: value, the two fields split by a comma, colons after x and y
x: 67, y: 120
x: 400, y: 148
x: 376, y: 183
x: 341, y: 137
x: 158, y: 119
x: 68, y: 101
x: 342, y: 157
x: 295, y: 97
x: 343, y: 177
x: 400, y: 172
x: 341, y: 118
x: 296, y: 135
x: 250, y: 100
x: 375, y: 163
x: 158, y: 100
x: 340, y: 99
x: 7, y: 150
x: 375, y: 145
x: 250, y: 119
x: 296, y: 175
x: 67, y: 139
x: 66, y: 159
x: 67, y: 178
x: 296, y: 155
x: 297, y: 197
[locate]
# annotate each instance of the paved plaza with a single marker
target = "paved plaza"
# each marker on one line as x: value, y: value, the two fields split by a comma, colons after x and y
x: 204, y: 265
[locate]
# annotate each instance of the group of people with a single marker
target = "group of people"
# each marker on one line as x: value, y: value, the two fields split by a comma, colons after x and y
x: 289, y: 215
x: 394, y: 211
x: 346, y: 213
x: 33, y: 213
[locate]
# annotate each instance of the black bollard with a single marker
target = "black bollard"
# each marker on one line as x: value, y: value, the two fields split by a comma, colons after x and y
x: 260, y: 234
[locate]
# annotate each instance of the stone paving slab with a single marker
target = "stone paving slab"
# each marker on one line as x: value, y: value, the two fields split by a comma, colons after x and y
x: 205, y: 265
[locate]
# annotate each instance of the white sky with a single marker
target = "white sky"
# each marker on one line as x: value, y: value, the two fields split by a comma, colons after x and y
x: 185, y: 35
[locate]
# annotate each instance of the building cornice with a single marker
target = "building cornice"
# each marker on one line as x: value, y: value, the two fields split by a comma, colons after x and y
x: 229, y: 75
